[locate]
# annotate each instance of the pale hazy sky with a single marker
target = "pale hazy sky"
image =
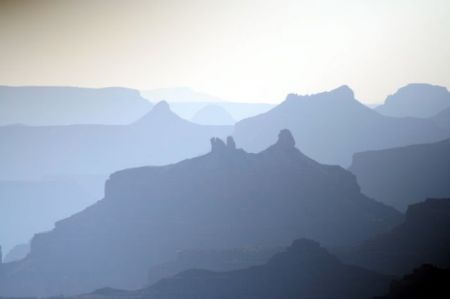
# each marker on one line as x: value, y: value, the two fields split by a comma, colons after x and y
x: 243, y: 50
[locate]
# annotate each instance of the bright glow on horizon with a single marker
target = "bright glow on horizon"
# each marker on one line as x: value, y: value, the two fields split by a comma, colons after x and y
x: 248, y: 50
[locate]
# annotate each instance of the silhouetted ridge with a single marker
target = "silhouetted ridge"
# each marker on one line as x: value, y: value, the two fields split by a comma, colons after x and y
x: 162, y: 115
x: 422, y: 238
x: 303, y: 270
x: 227, y: 198
x: 404, y: 175
x: 331, y: 126
x: 433, y: 213
x: 303, y: 253
x: 416, y: 100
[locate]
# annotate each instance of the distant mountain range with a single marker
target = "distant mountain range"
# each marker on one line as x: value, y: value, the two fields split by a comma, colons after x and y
x: 331, y: 126
x: 227, y: 198
x: 237, y: 111
x: 157, y: 138
x: 54, y: 105
x: 416, y: 100
x: 228, y: 211
x: 212, y: 115
x: 187, y: 102
x: 405, y: 175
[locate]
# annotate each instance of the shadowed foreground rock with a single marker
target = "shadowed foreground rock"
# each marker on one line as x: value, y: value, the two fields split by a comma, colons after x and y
x: 426, y: 282
x: 422, y: 238
x: 304, y: 270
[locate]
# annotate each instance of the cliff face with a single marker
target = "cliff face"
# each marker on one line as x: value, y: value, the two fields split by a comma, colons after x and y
x: 405, y: 175
x: 422, y: 238
x: 224, y: 199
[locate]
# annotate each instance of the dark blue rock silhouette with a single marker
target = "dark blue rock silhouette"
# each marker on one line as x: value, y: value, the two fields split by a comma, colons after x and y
x: 422, y: 238
x: 405, y: 175
x: 225, y: 199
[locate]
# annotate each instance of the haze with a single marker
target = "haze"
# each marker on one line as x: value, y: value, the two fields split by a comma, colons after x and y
x: 245, y: 50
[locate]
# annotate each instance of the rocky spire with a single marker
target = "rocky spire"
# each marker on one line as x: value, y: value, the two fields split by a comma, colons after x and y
x: 285, y: 139
x: 218, y: 145
x: 230, y: 143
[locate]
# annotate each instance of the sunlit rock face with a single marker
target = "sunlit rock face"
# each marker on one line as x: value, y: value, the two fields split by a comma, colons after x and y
x: 226, y: 198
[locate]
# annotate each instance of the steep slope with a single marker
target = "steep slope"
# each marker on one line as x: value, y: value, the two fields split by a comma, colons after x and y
x: 225, y: 199
x: 159, y: 137
x: 29, y: 207
x: 416, y: 100
x: 53, y: 105
x: 18, y: 252
x: 304, y: 270
x: 331, y: 126
x: 405, y: 175
x: 422, y: 238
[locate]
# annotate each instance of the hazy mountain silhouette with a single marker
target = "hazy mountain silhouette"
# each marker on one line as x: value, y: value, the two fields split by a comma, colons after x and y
x: 425, y: 282
x: 422, y: 238
x: 29, y: 207
x: 303, y: 270
x: 331, y: 126
x: 225, y: 199
x: 237, y: 111
x: 212, y: 115
x: 213, y: 260
x: 442, y: 119
x: 18, y: 252
x: 416, y: 100
x: 159, y: 137
x: 405, y: 175
x: 53, y: 105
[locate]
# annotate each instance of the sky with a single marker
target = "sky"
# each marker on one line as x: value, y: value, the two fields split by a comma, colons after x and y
x: 240, y: 50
